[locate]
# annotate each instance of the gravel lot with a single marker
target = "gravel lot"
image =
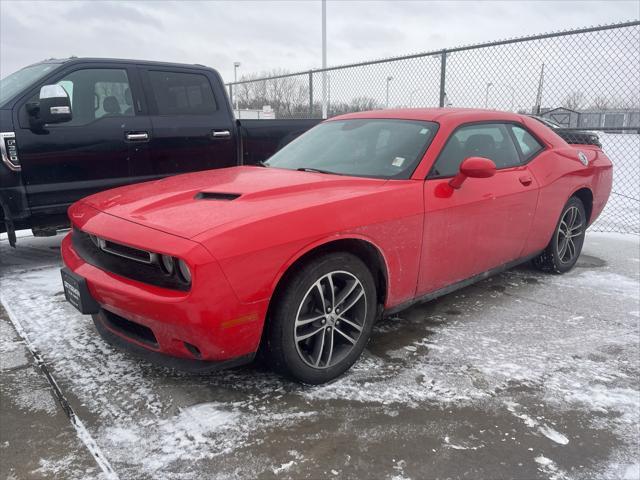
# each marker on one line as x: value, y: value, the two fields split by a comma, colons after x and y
x: 524, y: 375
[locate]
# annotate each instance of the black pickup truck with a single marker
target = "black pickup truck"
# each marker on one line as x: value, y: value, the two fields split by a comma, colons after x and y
x: 69, y: 128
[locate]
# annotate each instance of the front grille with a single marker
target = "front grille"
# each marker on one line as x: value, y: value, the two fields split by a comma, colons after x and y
x: 124, y: 261
x: 126, y: 252
x: 130, y: 329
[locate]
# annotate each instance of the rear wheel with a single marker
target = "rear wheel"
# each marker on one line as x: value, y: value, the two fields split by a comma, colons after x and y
x: 322, y: 319
x: 566, y: 244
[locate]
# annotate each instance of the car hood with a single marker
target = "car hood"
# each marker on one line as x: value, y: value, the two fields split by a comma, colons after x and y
x: 191, y: 204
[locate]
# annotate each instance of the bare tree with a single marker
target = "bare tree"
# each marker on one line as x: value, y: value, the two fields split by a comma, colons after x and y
x: 574, y: 101
x: 287, y: 95
x: 357, y: 104
x: 631, y: 102
x: 600, y: 102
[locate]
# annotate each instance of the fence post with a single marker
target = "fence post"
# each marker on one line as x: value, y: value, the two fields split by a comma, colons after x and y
x: 310, y: 93
x: 231, y: 96
x: 443, y: 75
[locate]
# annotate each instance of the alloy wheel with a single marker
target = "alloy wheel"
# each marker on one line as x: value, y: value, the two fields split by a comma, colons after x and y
x: 330, y: 319
x: 570, y: 227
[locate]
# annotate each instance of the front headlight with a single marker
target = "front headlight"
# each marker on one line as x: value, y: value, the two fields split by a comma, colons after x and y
x: 184, y: 271
x: 167, y: 264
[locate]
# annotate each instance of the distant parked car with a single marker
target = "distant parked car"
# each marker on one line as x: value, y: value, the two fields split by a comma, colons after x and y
x: 574, y: 137
x: 360, y: 217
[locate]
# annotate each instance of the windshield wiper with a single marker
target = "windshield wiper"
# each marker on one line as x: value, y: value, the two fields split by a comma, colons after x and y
x: 315, y: 170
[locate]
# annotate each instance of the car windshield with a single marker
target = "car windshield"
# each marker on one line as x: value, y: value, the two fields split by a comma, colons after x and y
x: 22, y: 79
x: 380, y: 148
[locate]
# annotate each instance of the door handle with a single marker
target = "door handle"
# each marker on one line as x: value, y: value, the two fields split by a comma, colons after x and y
x: 221, y: 133
x: 137, y: 136
x: 526, y: 180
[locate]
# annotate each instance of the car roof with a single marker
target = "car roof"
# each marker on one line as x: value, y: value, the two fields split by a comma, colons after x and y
x: 455, y: 115
x: 72, y: 60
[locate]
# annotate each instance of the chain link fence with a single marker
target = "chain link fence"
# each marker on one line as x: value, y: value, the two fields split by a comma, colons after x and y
x: 586, y: 79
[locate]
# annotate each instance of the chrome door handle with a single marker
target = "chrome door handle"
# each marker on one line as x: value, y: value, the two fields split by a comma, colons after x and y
x: 221, y: 133
x: 137, y: 136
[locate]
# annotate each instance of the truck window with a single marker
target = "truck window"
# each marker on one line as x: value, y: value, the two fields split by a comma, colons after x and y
x: 182, y: 93
x: 97, y: 93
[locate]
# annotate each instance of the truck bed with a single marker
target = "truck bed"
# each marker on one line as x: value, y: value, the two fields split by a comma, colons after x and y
x: 262, y: 138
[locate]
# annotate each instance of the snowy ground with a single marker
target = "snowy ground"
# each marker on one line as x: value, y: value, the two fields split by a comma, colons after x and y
x: 622, y: 213
x: 524, y: 375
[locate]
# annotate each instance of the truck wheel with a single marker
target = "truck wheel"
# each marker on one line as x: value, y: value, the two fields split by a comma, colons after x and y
x: 566, y: 244
x: 322, y: 319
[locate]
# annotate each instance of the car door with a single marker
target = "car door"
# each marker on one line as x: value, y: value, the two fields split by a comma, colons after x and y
x: 192, y: 125
x: 94, y: 151
x: 485, y: 223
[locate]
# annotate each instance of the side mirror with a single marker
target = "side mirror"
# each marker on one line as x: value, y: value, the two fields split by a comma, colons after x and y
x: 474, y: 167
x: 53, y: 106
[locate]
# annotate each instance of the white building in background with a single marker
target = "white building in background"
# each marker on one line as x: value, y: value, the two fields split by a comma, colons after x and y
x: 592, y: 118
x: 266, y: 113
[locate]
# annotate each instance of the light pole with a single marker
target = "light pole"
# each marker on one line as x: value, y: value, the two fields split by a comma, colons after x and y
x: 389, y: 78
x: 486, y: 95
x: 324, y: 58
x: 328, y: 94
x: 411, y: 97
x: 513, y: 96
x: 235, y: 79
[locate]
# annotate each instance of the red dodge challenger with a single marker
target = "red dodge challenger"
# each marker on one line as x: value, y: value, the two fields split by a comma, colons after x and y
x: 362, y: 216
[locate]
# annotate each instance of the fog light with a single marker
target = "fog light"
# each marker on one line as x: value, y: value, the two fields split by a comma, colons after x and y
x: 185, y: 273
x: 167, y: 264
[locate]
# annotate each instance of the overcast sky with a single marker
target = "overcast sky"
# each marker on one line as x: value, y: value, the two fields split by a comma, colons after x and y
x: 264, y: 35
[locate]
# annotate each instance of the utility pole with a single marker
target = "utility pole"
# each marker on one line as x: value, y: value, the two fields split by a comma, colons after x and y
x: 538, y: 105
x: 324, y: 58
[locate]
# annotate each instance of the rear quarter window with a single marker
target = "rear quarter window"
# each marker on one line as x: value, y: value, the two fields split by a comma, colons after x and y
x: 528, y: 145
x: 178, y: 93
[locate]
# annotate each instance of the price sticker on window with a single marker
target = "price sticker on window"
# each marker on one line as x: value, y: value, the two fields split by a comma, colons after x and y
x: 398, y: 162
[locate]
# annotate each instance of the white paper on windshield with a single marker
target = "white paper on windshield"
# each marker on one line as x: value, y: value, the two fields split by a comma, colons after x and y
x: 398, y: 161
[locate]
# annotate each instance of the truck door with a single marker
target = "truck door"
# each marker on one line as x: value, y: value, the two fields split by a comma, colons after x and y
x: 193, y: 127
x: 95, y: 150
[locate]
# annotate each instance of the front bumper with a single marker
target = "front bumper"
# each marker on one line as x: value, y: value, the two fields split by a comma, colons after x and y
x: 161, y: 359
x: 205, y: 324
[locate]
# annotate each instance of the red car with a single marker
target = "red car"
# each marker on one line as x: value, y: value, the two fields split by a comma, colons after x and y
x: 362, y: 216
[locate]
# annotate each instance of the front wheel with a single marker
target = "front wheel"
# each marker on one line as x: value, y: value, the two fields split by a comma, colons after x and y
x: 566, y: 244
x: 322, y: 319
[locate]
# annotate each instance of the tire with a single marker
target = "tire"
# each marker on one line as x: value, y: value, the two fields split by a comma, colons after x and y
x: 333, y: 296
x: 562, y: 253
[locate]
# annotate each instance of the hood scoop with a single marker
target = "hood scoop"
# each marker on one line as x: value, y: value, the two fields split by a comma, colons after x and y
x: 225, y: 197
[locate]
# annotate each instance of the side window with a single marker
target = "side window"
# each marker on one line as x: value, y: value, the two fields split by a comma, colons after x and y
x: 182, y: 93
x: 97, y: 93
x: 489, y: 140
x: 529, y: 146
x: 68, y: 87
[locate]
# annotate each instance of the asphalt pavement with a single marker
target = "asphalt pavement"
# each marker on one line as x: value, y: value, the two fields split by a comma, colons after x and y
x: 524, y: 375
